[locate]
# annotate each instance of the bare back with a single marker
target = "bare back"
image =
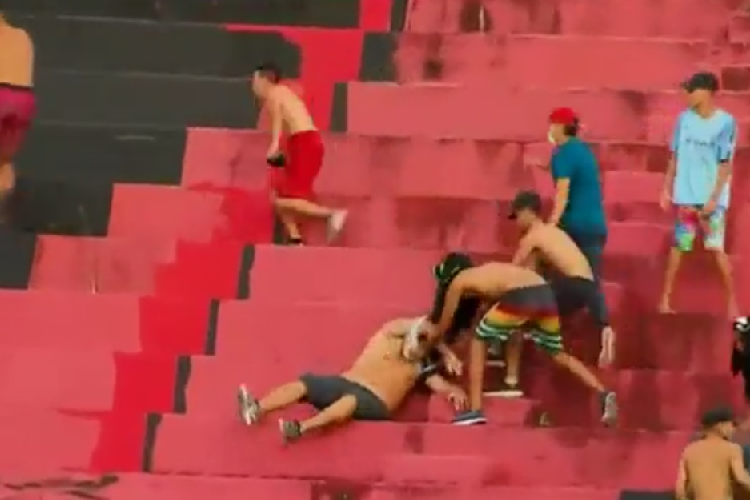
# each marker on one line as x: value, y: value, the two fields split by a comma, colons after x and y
x: 495, y: 278
x: 294, y: 114
x: 555, y: 247
x: 16, y: 56
x: 708, y: 465
x: 382, y: 369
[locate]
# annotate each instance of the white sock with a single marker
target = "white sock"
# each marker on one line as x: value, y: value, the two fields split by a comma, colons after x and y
x: 511, y: 380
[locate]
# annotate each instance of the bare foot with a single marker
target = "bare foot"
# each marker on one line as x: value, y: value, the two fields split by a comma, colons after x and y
x: 336, y: 224
x: 665, y: 307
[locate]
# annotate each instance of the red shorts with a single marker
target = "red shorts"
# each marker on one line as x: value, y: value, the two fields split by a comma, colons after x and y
x: 17, y: 110
x: 304, y: 157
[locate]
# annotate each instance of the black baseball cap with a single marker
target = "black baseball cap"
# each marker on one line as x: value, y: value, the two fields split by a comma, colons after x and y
x: 525, y: 200
x: 702, y: 81
x: 717, y: 416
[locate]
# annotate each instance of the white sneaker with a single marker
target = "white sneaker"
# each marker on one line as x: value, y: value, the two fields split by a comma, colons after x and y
x: 336, y: 224
x: 249, y: 410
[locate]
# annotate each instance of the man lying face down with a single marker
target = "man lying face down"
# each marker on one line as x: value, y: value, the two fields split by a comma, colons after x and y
x: 372, y: 389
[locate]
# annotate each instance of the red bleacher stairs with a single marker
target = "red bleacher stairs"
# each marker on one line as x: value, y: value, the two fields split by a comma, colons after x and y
x: 119, y: 365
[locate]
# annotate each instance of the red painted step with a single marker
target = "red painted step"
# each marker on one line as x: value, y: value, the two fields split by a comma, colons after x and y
x: 637, y: 18
x: 107, y: 265
x: 111, y: 322
x: 569, y: 61
x: 362, y: 165
x: 440, y: 110
x: 570, y: 457
x: 87, y: 381
x: 140, y: 210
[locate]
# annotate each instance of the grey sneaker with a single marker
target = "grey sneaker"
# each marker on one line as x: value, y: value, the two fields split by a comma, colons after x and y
x: 249, y: 409
x: 290, y: 430
x: 609, y: 408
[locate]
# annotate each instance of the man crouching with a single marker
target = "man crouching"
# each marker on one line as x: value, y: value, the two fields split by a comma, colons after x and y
x: 372, y: 389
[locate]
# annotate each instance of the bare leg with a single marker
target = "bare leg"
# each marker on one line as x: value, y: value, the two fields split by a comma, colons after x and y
x: 297, y: 206
x: 290, y: 225
x: 577, y: 368
x: 251, y: 410
x: 673, y: 265
x: 283, y: 396
x: 477, y: 358
x: 338, y: 413
x: 513, y: 351
x: 725, y: 270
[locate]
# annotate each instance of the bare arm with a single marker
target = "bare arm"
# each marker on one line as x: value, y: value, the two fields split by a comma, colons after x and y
x: 681, y: 486
x: 523, y: 254
x: 439, y: 385
x: 274, y: 107
x: 726, y: 144
x: 562, y: 190
x: 737, y: 466
x: 452, y: 299
x: 669, y: 177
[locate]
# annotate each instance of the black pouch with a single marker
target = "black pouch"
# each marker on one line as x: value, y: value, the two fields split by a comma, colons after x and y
x: 277, y: 161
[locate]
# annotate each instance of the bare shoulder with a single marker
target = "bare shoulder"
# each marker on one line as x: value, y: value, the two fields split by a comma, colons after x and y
x: 22, y: 35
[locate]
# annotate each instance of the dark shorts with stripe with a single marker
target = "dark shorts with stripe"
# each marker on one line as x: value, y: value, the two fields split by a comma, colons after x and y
x: 531, y: 309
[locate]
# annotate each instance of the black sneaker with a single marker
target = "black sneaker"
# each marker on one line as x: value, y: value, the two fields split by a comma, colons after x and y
x: 249, y: 409
x: 609, y: 407
x: 290, y: 430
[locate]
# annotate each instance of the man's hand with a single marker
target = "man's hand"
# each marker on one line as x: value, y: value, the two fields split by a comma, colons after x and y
x: 709, y: 208
x: 458, y: 398
x: 665, y: 199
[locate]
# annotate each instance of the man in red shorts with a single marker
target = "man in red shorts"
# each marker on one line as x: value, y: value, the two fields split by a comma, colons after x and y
x: 302, y: 160
x: 17, y: 103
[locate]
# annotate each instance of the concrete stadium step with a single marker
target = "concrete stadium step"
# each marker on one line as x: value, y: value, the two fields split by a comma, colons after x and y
x: 134, y: 98
x: 103, y: 154
x: 677, y: 399
x: 739, y: 29
x: 323, y: 13
x: 635, y: 258
x: 639, y: 18
x: 572, y: 61
x: 695, y: 343
x: 147, y: 211
x: 440, y: 110
x: 174, y: 487
x: 46, y: 441
x: 599, y: 459
x: 174, y: 48
x: 736, y: 78
x: 102, y: 265
x: 361, y: 165
x: 87, y: 381
x: 104, y: 321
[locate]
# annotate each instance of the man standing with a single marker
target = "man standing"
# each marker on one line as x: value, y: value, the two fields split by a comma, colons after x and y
x: 578, y: 208
x: 302, y: 160
x: 698, y: 181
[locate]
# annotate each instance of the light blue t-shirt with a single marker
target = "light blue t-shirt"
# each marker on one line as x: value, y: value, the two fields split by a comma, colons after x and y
x: 700, y: 144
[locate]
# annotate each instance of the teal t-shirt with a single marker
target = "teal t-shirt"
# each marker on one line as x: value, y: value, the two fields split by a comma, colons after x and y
x: 584, y: 213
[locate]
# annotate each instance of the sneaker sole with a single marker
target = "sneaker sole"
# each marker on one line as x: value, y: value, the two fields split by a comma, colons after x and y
x: 475, y: 421
x: 504, y: 394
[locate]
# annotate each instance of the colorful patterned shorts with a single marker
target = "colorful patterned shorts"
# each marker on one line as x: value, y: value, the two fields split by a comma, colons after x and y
x: 690, y: 221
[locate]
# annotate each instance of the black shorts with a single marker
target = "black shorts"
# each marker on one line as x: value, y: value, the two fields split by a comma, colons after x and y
x: 574, y: 293
x: 324, y: 390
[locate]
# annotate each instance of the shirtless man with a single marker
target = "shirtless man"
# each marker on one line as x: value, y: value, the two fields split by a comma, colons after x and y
x: 372, y: 389
x: 17, y: 103
x: 303, y: 157
x: 573, y: 281
x: 520, y: 301
x: 709, y: 465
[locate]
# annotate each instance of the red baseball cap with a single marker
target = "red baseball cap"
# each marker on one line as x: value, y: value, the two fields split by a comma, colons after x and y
x: 563, y: 116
